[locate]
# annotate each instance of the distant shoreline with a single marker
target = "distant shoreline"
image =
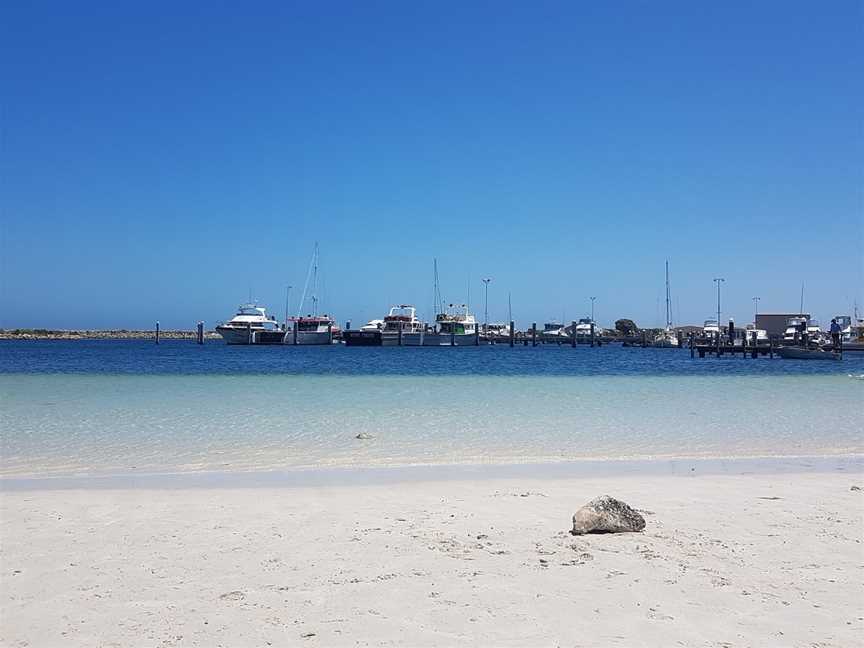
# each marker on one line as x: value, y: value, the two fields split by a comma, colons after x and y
x: 114, y: 334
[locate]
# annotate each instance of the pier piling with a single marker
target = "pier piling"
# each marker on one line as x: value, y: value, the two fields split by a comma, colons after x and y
x: 512, y: 333
x: 573, y: 333
x: 200, y: 332
x: 592, y: 334
x: 157, y: 332
x: 534, y: 334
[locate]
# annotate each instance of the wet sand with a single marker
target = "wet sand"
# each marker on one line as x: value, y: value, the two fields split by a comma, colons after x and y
x: 725, y: 560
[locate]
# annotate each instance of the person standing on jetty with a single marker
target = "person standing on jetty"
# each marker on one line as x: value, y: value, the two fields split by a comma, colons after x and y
x: 835, y: 333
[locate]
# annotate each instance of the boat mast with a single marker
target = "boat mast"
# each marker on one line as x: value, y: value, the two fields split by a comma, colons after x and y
x: 315, y: 282
x: 312, y: 264
x: 801, y: 306
x: 287, y: 297
x: 438, y: 301
x: 668, y: 305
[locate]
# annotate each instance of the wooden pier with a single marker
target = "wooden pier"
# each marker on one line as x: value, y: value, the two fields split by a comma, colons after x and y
x: 719, y: 350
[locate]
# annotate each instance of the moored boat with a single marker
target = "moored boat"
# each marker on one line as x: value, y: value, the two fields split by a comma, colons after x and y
x: 313, y: 329
x: 801, y: 353
x: 668, y: 337
x: 251, y: 325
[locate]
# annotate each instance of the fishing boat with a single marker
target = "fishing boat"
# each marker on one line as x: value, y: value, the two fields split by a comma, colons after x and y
x: 251, y: 325
x: 312, y: 328
x: 668, y: 337
x: 402, y: 321
x: 456, y: 326
x: 400, y: 325
x: 811, y: 353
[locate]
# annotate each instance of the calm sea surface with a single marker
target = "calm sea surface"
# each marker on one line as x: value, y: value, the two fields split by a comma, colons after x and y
x: 130, y: 407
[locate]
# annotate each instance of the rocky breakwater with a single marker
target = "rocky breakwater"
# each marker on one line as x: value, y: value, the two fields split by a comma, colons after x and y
x: 114, y: 334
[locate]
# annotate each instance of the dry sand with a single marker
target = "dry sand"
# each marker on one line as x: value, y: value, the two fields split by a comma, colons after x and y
x: 754, y: 560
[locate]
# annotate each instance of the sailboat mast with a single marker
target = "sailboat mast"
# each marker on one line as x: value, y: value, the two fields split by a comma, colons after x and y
x: 438, y: 302
x: 668, y: 305
x: 306, y: 284
x: 287, y: 298
x: 315, y: 282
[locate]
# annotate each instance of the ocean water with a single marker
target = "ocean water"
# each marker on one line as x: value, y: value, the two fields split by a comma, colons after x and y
x: 132, y: 407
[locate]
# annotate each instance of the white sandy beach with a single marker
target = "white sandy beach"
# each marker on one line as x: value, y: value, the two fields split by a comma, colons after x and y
x: 753, y: 560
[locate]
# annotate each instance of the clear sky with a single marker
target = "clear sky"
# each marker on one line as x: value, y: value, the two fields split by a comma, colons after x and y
x: 161, y: 160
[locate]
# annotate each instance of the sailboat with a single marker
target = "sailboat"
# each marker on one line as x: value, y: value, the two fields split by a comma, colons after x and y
x: 312, y: 328
x: 668, y: 338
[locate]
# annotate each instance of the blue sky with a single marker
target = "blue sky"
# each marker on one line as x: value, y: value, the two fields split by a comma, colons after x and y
x: 159, y: 162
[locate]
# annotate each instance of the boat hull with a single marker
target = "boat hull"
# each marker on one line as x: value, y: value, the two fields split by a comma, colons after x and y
x: 797, y: 353
x: 362, y: 338
x: 308, y: 338
x: 239, y: 335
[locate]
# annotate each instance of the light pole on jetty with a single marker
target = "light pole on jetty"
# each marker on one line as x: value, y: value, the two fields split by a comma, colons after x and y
x: 755, y: 308
x: 592, y: 308
x: 486, y: 307
x: 718, y: 281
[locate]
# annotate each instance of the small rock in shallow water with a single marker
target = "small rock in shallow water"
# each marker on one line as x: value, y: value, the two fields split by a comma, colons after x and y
x: 606, y: 515
x: 855, y: 488
x: 364, y: 435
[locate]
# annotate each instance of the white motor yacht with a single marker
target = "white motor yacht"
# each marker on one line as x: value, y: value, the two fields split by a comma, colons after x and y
x: 251, y: 325
x: 583, y: 330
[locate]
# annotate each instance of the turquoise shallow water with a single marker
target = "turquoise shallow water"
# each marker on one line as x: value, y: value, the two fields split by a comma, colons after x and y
x: 108, y: 423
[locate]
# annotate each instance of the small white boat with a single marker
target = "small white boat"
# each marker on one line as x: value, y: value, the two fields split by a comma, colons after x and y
x: 553, y: 332
x: 373, y: 325
x: 497, y: 331
x: 754, y: 336
x: 583, y: 330
x: 800, y: 353
x: 711, y: 329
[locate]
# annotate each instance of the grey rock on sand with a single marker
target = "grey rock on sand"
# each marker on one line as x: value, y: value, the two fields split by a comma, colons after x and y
x: 364, y: 435
x: 606, y: 515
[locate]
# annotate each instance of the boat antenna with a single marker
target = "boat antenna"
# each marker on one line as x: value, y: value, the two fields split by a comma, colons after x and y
x: 306, y: 284
x: 509, y: 308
